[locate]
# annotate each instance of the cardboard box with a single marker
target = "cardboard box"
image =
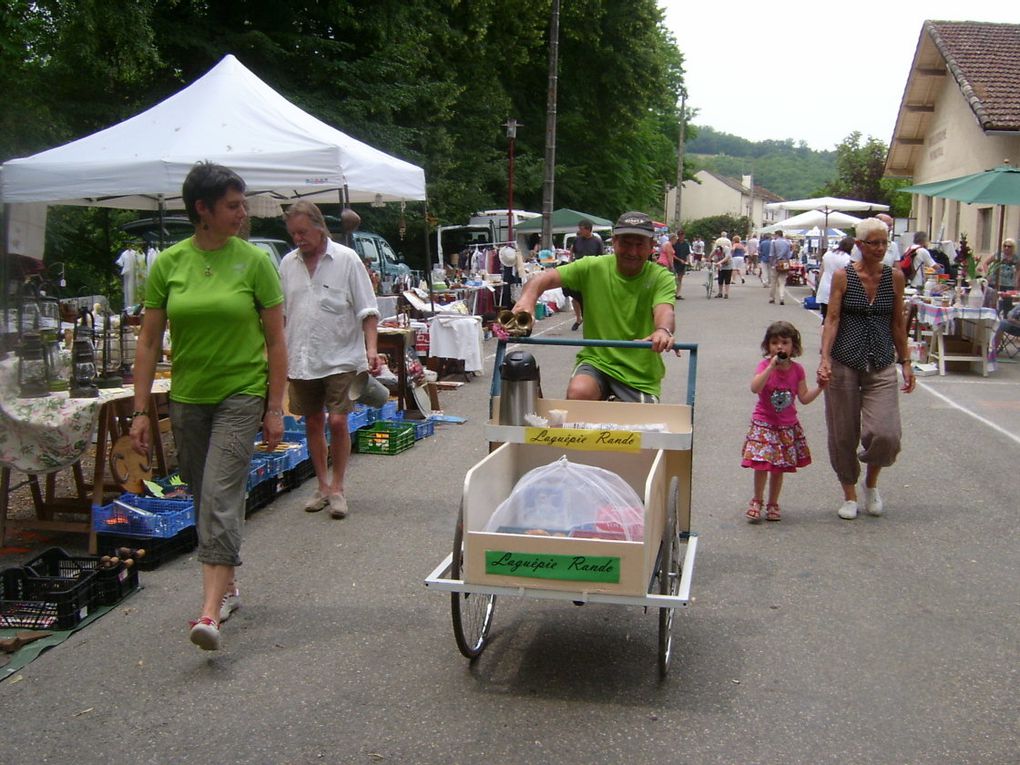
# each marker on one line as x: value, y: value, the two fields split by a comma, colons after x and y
x: 492, y: 480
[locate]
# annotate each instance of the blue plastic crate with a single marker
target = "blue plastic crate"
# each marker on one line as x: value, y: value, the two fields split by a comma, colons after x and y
x: 388, y: 411
x: 357, y: 419
x: 423, y: 428
x: 143, y: 516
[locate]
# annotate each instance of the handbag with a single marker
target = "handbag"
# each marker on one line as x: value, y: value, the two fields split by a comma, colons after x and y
x: 782, y: 265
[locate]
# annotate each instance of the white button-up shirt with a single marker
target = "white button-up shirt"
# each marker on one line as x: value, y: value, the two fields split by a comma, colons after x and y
x: 324, y: 312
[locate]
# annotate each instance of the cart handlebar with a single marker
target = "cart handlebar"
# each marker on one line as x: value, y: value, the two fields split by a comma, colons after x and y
x: 692, y: 368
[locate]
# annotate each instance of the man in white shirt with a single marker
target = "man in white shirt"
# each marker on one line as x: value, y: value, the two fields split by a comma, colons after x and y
x: 331, y: 315
x: 892, y: 252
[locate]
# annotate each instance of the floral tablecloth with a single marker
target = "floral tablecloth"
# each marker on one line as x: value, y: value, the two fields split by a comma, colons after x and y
x: 42, y: 435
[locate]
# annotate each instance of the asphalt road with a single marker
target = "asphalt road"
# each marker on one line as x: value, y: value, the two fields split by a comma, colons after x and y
x: 812, y: 640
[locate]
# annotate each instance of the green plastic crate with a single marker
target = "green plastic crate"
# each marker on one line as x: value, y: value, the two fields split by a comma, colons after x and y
x: 386, y: 438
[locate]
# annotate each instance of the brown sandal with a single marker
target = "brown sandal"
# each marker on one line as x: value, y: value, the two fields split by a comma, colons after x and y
x: 753, y: 513
x: 772, y: 512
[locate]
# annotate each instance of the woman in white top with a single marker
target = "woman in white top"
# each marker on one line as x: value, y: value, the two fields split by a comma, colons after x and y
x: 832, y: 261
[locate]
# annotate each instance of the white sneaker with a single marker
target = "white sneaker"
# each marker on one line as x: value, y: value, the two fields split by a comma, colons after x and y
x: 848, y: 510
x: 230, y: 603
x: 873, y: 502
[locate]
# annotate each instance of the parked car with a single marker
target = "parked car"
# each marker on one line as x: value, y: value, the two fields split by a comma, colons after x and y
x: 369, y: 246
x: 380, y: 257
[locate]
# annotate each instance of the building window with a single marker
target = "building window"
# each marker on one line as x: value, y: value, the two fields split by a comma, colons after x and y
x: 985, y: 229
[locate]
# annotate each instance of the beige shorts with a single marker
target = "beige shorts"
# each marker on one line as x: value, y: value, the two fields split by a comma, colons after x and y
x: 330, y: 393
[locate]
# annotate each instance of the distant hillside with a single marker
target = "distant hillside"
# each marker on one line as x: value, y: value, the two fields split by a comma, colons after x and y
x: 789, y: 170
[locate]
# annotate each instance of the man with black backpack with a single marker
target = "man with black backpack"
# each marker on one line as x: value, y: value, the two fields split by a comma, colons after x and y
x: 916, y: 259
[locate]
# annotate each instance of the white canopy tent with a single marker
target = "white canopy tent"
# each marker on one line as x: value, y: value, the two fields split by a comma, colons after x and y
x: 228, y: 116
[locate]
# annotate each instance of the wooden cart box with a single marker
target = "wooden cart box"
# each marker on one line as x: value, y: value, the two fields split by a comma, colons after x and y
x: 676, y: 417
x: 589, y: 565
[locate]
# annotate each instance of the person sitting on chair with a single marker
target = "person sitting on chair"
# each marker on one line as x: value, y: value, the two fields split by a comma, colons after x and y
x: 1008, y: 326
x: 626, y: 297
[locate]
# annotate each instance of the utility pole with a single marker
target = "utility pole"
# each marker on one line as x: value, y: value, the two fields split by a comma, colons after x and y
x: 550, y: 127
x: 681, y: 143
x: 511, y: 135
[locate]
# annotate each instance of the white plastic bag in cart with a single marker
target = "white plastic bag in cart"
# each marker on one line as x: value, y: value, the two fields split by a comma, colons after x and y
x: 566, y: 498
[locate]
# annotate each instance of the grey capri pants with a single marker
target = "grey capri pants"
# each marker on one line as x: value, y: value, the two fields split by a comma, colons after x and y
x: 215, y: 443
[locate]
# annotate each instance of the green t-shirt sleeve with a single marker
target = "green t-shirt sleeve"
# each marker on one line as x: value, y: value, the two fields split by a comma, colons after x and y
x: 572, y: 274
x: 665, y: 288
x: 156, y: 284
x: 267, y: 288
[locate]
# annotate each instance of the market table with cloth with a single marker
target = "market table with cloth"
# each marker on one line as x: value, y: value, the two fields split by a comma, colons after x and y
x: 42, y: 436
x: 958, y: 333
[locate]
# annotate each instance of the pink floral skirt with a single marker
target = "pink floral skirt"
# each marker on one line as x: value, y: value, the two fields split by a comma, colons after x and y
x: 777, y: 449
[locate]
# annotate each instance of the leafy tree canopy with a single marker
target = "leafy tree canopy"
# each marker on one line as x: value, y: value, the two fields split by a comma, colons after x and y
x: 430, y: 81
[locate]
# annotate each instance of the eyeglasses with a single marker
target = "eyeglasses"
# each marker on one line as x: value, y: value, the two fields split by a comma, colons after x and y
x: 875, y: 242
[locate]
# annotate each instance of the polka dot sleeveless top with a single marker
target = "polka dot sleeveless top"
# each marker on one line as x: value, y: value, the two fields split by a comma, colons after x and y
x: 865, y: 340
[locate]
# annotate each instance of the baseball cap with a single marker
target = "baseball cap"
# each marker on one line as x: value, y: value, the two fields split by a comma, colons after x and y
x: 634, y: 222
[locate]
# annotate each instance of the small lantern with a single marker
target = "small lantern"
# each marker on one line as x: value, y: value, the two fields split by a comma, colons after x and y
x: 33, y: 371
x: 51, y: 352
x: 83, y: 358
x: 109, y: 377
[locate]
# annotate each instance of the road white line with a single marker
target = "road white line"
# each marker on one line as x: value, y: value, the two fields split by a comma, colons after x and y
x: 965, y: 410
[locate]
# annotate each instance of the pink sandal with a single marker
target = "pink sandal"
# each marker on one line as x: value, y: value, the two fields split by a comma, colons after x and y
x: 753, y: 513
x: 772, y: 512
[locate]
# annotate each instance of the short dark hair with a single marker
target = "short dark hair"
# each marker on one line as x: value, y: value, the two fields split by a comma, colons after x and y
x: 846, y: 244
x: 782, y: 329
x: 208, y: 182
x: 585, y: 223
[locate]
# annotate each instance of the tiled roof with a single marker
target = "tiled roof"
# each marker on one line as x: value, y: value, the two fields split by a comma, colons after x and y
x: 985, y: 60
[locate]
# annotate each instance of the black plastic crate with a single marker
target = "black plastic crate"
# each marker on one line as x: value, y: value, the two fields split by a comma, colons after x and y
x: 157, y: 550
x: 43, y: 603
x: 260, y: 495
x: 297, y: 475
x: 109, y: 586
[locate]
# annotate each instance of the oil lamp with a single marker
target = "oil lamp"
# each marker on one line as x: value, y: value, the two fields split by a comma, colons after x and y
x: 83, y: 358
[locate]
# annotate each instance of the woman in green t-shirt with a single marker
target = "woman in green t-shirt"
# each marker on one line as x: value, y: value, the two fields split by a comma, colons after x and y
x: 224, y: 304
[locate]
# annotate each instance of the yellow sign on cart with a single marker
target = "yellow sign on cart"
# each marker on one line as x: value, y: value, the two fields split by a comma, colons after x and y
x: 587, y: 440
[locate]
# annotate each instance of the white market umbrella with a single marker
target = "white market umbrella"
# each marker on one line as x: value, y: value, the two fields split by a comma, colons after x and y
x: 828, y: 205
x: 812, y: 219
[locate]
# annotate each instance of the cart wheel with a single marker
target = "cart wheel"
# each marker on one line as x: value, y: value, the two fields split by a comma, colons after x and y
x: 669, y: 575
x: 472, y: 613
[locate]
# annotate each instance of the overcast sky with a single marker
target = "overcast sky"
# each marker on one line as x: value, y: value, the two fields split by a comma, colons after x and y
x: 811, y: 71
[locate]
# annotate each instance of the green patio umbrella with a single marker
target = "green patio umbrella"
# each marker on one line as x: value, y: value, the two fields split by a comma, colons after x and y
x: 564, y: 221
x: 998, y: 186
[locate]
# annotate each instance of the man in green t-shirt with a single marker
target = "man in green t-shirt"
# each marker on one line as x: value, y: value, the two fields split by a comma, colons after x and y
x: 626, y: 297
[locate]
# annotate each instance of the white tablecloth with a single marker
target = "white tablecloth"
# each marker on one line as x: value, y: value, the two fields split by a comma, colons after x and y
x: 457, y: 337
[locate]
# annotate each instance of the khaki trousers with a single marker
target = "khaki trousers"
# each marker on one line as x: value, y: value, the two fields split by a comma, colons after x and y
x: 777, y: 282
x: 862, y: 408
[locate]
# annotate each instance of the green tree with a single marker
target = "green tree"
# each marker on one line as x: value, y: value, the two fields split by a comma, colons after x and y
x: 859, y: 168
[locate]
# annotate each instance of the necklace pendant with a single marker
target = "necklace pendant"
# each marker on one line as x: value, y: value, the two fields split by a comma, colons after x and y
x: 208, y: 271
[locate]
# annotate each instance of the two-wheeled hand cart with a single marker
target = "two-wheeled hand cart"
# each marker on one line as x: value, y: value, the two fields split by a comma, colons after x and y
x: 654, y: 572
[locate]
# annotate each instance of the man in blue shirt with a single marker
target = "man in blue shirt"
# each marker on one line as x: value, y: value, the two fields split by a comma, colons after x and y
x: 764, y: 258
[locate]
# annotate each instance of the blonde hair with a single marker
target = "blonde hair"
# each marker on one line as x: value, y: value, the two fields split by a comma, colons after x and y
x: 309, y: 209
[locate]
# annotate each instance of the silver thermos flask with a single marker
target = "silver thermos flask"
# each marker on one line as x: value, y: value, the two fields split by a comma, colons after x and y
x: 519, y: 387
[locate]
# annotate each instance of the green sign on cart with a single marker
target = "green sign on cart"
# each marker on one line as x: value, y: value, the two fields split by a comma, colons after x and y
x: 574, y: 568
